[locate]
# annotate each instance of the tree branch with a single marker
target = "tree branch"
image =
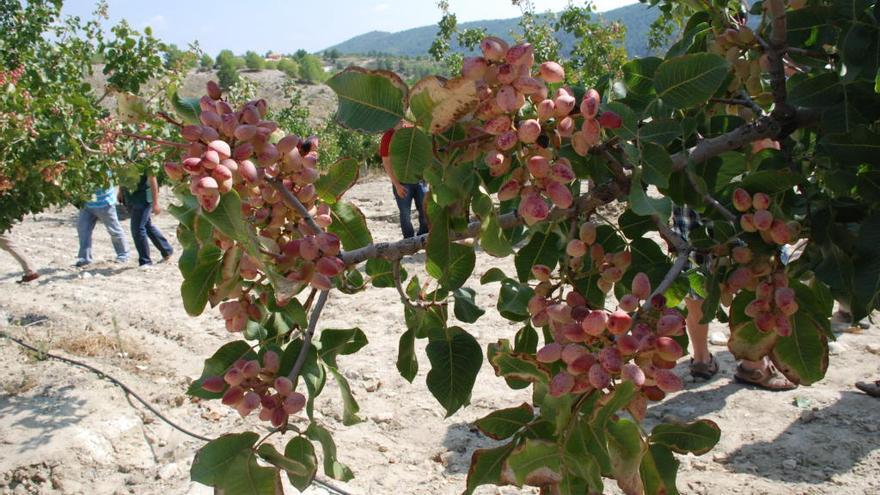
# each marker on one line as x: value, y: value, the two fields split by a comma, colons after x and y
x: 775, y: 51
x: 151, y: 140
x: 677, y: 267
x: 307, y: 337
x: 292, y: 201
x: 395, y: 273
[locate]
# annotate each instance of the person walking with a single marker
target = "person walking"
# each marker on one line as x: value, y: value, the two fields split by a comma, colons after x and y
x: 102, y: 207
x: 9, y: 246
x: 141, y: 203
x: 760, y: 373
x: 404, y: 194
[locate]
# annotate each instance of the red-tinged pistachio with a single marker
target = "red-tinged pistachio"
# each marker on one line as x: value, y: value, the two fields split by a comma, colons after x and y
x: 174, y: 170
x: 498, y: 125
x: 747, y: 223
x: 507, y: 99
x: 551, y: 72
x: 221, y: 147
x: 506, y: 140
x: 474, y: 68
x: 561, y: 172
x: 321, y: 282
x: 590, y: 104
x: 287, y: 144
x: 509, y: 190
x: 763, y: 219
x: 330, y: 266
x: 529, y: 85
x: 565, y: 127
x: 522, y: 54
x: 559, y: 194
x: 529, y: 130
x: 223, y: 108
x: 493, y: 48
x: 245, y: 132
x: 533, y: 209
x: 206, y: 104
x: 564, y: 104
x: 213, y: 90
x: 641, y: 286
x: 546, y: 109
x: 561, y: 384
x: 250, y: 115
x: 742, y: 200
x: 191, y: 132
x: 610, y: 120
x: 243, y: 151
x: 506, y: 74
x: 619, y: 322
x: 248, y: 171
x: 209, y: 134
x: 210, y: 118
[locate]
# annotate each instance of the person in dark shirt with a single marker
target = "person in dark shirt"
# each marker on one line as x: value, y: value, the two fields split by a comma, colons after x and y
x: 141, y: 203
x: 404, y: 194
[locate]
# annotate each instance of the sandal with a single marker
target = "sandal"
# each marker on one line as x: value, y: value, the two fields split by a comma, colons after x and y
x: 768, y: 378
x: 872, y: 389
x: 28, y: 277
x: 704, y: 371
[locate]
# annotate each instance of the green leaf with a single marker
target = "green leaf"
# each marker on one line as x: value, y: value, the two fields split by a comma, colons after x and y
x: 214, y: 459
x: 187, y: 109
x: 746, y: 341
x: 542, y: 249
x: 513, y: 300
x: 218, y: 364
x: 335, y: 342
x: 503, y: 423
x: 486, y: 467
x: 381, y: 272
x: 690, y: 80
x: 626, y: 449
x: 635, y: 226
x: 656, y: 165
x: 302, y: 451
x: 200, y: 281
x: 466, y: 309
x: 350, y: 225
x: 227, y: 217
x: 495, y: 240
x: 369, y: 101
x: 802, y: 356
x: 339, y: 178
x: 438, y: 103
x: 536, y: 463
x: 448, y: 262
x: 350, y: 407
x: 455, y: 363
x: 517, y: 366
x: 270, y: 454
x: 492, y: 275
x: 643, y: 205
x: 332, y: 467
x: 659, y: 469
x: 861, y: 145
x: 660, y: 132
x: 697, y: 438
x: 410, y: 152
x: 245, y: 477
x: 407, y: 363
x: 823, y: 90
x: 638, y: 75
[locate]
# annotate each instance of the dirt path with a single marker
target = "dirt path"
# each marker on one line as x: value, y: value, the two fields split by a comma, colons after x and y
x: 63, y: 430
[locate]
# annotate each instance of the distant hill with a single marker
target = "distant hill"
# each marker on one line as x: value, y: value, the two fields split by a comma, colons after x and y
x: 637, y: 19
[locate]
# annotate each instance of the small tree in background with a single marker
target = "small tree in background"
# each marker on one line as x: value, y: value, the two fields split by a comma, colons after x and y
x: 254, y: 61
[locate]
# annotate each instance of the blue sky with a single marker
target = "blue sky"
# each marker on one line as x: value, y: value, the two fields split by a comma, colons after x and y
x: 288, y: 25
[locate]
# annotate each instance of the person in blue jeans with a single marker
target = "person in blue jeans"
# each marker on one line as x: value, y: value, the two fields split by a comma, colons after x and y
x: 141, y: 203
x: 102, y: 207
x: 404, y: 194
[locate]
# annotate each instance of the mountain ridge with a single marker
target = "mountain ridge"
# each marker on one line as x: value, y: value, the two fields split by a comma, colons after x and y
x: 636, y: 18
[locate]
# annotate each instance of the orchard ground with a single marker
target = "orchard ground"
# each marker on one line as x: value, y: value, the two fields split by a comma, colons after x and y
x: 64, y: 430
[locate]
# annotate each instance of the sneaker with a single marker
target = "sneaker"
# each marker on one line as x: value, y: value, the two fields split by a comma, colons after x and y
x: 121, y: 260
x: 166, y: 257
x: 81, y: 263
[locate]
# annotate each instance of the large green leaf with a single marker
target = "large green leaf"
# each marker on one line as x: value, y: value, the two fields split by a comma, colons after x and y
x: 656, y: 165
x: 332, y: 467
x: 746, y: 341
x: 448, y: 262
x: 660, y: 131
x: 187, y: 109
x: 350, y: 225
x: 493, y: 239
x: 227, y: 217
x: 503, y: 423
x: 515, y: 365
x: 659, y: 469
x: 638, y: 75
x: 243, y: 476
x: 626, y: 449
x: 642, y: 204
x: 270, y: 454
x: 859, y: 146
x: 542, y: 249
x: 200, y: 281
x: 697, y: 438
x: 302, y: 451
x: 369, y: 101
x: 455, y: 362
x: 339, y: 178
x: 822, y: 90
x: 350, y: 407
x: 410, y: 152
x: 486, y: 467
x: 513, y: 299
x: 689, y: 80
x: 214, y: 459
x: 536, y: 463
x: 802, y: 356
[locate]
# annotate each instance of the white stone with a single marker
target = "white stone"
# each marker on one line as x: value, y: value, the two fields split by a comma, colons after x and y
x: 718, y: 338
x: 835, y: 348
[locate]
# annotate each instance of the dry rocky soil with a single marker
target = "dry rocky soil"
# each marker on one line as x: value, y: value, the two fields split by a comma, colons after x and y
x: 65, y: 430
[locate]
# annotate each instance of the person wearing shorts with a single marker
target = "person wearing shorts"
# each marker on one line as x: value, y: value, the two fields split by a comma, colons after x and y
x: 703, y: 365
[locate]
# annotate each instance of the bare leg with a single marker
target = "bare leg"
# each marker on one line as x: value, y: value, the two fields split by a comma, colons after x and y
x: 698, y: 332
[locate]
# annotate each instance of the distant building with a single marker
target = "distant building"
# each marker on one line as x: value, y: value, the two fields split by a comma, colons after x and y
x: 273, y: 57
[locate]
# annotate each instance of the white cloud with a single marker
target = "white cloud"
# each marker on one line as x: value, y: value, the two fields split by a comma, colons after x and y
x: 381, y: 7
